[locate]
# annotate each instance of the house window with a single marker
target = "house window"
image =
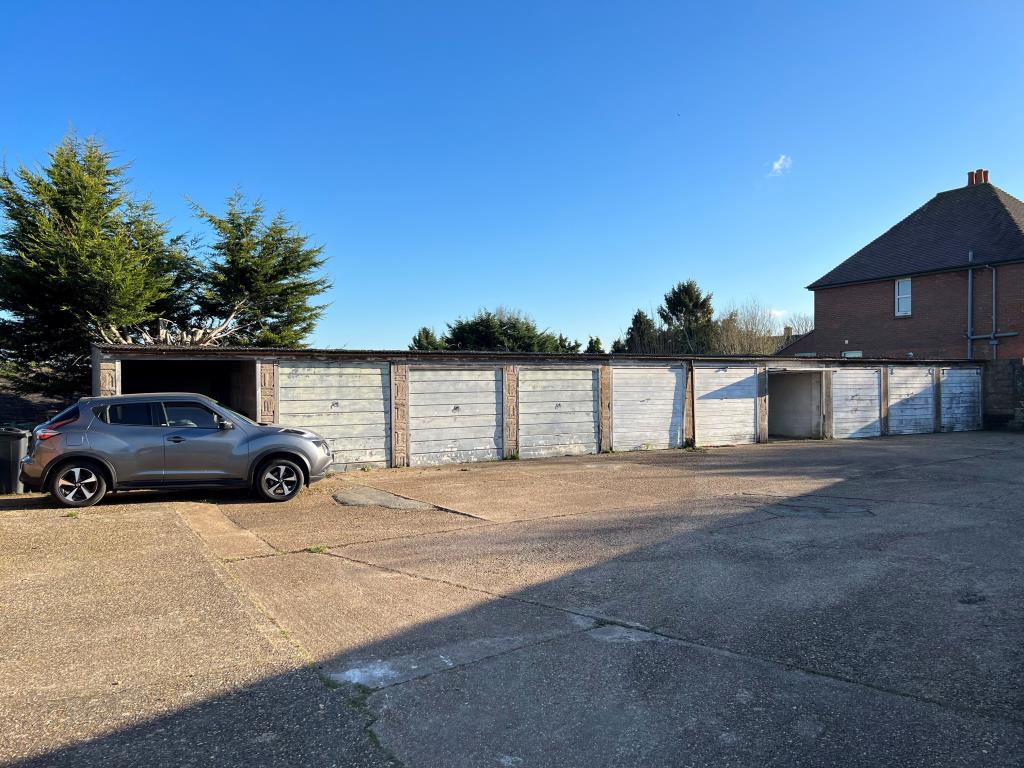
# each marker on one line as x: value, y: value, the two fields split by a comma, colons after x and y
x: 903, y: 297
x: 852, y: 353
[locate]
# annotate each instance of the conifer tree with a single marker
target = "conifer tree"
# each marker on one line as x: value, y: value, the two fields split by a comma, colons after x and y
x: 261, y: 278
x: 81, y: 260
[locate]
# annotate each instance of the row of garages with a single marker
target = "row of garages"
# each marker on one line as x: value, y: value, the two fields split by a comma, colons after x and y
x: 384, y: 414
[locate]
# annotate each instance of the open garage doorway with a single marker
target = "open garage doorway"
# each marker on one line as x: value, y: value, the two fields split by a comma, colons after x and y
x: 230, y: 382
x: 795, y: 405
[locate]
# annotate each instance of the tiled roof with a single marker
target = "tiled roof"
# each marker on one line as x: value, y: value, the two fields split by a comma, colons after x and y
x: 938, y: 237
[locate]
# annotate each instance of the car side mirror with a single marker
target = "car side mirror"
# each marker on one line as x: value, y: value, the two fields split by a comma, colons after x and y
x: 225, y: 424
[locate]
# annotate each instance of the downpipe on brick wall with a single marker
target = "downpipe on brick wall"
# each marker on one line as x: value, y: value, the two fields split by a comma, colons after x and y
x: 995, y: 335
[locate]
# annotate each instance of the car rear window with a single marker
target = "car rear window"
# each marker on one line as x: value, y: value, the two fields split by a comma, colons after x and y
x: 135, y: 414
x: 64, y: 417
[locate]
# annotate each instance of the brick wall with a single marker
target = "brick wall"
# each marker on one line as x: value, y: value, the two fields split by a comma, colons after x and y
x: 862, y: 317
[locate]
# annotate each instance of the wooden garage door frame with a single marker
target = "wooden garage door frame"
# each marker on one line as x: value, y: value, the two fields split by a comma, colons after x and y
x: 843, y: 434
x: 527, y: 410
x: 950, y: 424
x: 654, y: 414
x: 701, y: 404
x: 921, y: 419
x: 472, y: 448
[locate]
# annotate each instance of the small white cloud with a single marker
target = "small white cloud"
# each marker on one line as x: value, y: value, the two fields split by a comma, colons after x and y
x: 781, y: 166
x: 778, y: 312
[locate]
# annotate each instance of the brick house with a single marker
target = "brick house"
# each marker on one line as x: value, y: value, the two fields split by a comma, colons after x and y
x: 926, y: 286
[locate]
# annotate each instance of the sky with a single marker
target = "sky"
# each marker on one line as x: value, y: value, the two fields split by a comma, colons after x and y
x: 572, y: 160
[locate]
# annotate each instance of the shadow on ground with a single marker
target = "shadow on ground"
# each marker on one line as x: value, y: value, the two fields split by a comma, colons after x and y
x: 844, y: 625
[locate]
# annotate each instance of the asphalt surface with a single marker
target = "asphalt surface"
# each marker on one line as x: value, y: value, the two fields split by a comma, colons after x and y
x: 851, y: 603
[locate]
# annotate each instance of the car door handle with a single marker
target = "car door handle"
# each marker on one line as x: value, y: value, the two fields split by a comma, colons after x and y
x: 176, y: 439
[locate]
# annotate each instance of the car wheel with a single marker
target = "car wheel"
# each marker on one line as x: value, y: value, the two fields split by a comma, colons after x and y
x: 78, y: 484
x: 279, y: 480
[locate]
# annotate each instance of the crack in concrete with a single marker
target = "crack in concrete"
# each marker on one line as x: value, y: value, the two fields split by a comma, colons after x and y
x: 695, y: 644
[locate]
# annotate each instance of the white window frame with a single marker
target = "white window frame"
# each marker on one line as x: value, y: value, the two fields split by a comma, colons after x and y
x: 903, y: 282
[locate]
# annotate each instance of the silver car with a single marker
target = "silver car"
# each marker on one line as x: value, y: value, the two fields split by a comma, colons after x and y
x: 174, y: 440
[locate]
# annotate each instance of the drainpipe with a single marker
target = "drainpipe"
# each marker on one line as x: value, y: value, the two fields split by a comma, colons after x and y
x: 970, y: 306
x: 995, y: 341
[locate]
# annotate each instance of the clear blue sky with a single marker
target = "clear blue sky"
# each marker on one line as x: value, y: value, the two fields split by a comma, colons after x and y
x: 569, y: 159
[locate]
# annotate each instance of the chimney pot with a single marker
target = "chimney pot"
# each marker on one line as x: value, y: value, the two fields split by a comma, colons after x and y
x: 978, y: 174
x: 985, y: 174
x: 970, y: 178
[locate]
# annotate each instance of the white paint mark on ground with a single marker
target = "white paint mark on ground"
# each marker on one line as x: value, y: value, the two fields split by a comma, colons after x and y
x: 613, y: 634
x: 371, y: 675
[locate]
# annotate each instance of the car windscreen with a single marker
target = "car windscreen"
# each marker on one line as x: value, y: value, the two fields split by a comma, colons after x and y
x: 236, y: 416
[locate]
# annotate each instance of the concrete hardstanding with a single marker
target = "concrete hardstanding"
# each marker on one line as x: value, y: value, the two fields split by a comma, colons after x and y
x: 851, y: 603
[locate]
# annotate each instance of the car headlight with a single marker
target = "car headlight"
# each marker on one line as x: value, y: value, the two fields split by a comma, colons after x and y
x: 324, y: 446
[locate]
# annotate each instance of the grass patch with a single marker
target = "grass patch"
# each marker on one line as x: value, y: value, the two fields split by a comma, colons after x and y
x: 73, y: 514
x: 319, y: 549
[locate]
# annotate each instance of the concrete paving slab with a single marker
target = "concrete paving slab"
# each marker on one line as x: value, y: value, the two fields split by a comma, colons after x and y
x: 365, y: 496
x: 614, y: 697
x: 504, y: 497
x: 317, y: 521
x: 820, y: 603
x: 338, y: 609
x: 225, y: 539
x: 124, y: 643
x: 877, y: 597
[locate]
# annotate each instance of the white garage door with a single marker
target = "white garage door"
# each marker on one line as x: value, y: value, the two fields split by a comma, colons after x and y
x: 558, y: 412
x: 647, y: 407
x: 454, y: 416
x: 349, y: 404
x: 725, y: 405
x: 856, y: 403
x: 961, y: 399
x: 911, y: 400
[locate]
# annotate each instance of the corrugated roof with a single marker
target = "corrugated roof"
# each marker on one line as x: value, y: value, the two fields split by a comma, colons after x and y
x: 938, y: 236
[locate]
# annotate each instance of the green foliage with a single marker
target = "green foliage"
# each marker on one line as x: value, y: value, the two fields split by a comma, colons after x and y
x: 644, y: 337
x: 564, y: 344
x: 594, y: 346
x: 426, y: 340
x: 502, y: 330
x: 261, y: 276
x: 80, y: 261
x: 689, y: 319
x: 686, y: 327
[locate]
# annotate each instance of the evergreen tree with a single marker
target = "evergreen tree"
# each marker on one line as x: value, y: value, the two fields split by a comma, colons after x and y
x: 426, y: 340
x: 81, y: 261
x: 503, y: 330
x: 643, y: 337
x: 261, y: 278
x: 594, y: 346
x: 563, y: 344
x: 688, y: 316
